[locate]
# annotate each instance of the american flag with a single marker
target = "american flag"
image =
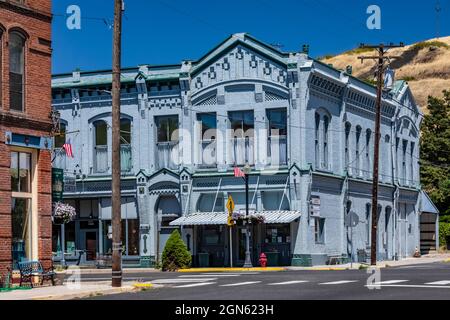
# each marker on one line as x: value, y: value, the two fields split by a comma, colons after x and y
x: 68, y: 148
x: 238, y: 173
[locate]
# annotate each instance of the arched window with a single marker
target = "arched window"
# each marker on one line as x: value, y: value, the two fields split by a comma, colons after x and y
x: 326, y: 123
x: 16, y: 71
x: 348, y: 128
x: 60, y: 139
x: 317, y: 141
x: 125, y: 145
x: 101, y: 146
x: 368, y: 139
x: 357, y: 159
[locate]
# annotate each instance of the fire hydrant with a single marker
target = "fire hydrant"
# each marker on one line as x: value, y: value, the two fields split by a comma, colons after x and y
x: 263, y: 260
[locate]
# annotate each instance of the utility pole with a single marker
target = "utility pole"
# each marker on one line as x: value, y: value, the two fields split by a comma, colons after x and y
x: 116, y: 172
x: 381, y: 58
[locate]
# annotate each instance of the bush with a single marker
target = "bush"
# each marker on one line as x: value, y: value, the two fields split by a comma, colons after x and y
x: 175, y: 255
x: 444, y: 233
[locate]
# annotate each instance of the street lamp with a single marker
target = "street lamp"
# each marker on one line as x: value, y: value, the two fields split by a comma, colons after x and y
x: 248, y: 258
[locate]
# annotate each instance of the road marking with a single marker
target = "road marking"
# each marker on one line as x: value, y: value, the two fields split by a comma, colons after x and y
x: 287, y: 283
x: 209, y: 275
x: 215, y: 274
x: 168, y: 281
x: 408, y: 286
x: 389, y: 282
x: 240, y: 284
x: 439, y: 283
x: 338, y: 282
x: 196, y: 285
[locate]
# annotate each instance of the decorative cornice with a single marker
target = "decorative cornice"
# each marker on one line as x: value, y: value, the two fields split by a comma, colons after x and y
x: 16, y: 121
x: 23, y: 10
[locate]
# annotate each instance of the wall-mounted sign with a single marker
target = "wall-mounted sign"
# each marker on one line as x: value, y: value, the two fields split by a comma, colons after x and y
x: 57, y: 184
x: 315, y: 206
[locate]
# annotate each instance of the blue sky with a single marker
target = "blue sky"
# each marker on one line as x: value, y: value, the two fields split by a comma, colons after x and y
x: 168, y: 31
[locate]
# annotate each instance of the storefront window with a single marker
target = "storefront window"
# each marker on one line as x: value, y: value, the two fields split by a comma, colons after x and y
x: 278, y: 234
x: 211, y: 236
x: 21, y: 230
x: 130, y: 237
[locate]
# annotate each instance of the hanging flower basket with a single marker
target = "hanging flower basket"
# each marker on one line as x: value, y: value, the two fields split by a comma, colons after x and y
x: 63, y: 213
x: 254, y: 218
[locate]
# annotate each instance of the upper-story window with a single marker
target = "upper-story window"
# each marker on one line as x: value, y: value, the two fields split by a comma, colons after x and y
x: 348, y: 128
x: 405, y: 148
x: 242, y: 125
x: 59, y: 152
x: 16, y: 71
x: 101, y: 147
x: 368, y: 139
x: 167, y: 128
x: 125, y: 145
x: 326, y: 123
x: 357, y: 153
x: 207, y: 123
x: 167, y: 142
x: 411, y: 170
x: 317, y: 140
x: 322, y: 146
x: 277, y: 142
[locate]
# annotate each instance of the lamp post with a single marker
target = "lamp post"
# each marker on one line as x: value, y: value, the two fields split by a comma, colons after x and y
x: 248, y: 258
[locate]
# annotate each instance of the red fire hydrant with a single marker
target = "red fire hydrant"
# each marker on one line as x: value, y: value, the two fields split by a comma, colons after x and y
x: 263, y: 260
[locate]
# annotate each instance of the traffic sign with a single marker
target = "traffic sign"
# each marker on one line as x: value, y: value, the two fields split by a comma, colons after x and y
x: 230, y: 205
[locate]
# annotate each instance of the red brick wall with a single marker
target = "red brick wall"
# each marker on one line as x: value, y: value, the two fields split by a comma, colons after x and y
x: 34, y: 20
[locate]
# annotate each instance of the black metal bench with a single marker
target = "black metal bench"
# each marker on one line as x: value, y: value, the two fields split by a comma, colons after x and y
x: 30, y: 269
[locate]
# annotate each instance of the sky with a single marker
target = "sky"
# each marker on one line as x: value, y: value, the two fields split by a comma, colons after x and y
x: 168, y: 31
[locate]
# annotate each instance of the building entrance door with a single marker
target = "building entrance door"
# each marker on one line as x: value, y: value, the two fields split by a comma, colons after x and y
x: 91, y: 245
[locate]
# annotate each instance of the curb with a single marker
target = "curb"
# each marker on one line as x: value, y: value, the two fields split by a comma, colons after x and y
x: 193, y: 270
x: 82, y: 295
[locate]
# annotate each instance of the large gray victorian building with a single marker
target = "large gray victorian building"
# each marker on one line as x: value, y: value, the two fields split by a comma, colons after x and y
x: 305, y: 128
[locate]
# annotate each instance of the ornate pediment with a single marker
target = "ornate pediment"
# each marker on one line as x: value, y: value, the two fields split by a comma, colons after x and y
x: 240, y: 61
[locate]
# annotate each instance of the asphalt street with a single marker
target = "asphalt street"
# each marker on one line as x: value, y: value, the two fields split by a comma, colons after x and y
x: 423, y: 282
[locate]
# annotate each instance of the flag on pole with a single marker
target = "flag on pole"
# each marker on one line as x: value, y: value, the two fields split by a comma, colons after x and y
x: 68, y: 148
x: 238, y: 173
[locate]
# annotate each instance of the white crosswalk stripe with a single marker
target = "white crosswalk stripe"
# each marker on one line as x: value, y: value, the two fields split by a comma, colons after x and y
x: 389, y: 282
x: 439, y: 283
x: 210, y: 275
x: 192, y: 285
x: 287, y: 283
x: 184, y: 280
x: 240, y: 284
x: 338, y: 282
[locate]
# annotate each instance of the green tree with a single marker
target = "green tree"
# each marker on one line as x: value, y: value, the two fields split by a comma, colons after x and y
x: 435, y: 152
x: 175, y: 255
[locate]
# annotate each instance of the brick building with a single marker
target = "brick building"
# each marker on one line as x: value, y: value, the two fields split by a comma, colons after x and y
x: 25, y: 129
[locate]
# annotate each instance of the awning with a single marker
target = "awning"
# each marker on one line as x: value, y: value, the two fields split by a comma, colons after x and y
x: 220, y: 218
x: 427, y: 205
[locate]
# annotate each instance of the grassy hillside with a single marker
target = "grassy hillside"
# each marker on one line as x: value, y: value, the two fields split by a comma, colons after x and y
x: 425, y: 65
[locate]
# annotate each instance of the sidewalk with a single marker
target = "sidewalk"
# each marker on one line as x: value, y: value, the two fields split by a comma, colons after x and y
x: 67, y: 293
x: 432, y: 258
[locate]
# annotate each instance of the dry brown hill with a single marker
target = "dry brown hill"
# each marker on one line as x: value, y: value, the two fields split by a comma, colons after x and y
x: 424, y: 65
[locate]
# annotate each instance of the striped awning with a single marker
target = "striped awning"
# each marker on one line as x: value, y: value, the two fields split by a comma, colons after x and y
x: 220, y: 218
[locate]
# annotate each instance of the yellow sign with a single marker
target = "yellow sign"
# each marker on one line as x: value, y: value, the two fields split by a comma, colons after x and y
x: 230, y: 207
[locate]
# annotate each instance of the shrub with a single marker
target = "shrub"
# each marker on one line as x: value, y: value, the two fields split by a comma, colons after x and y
x: 175, y: 255
x: 444, y: 233
x: 428, y: 44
